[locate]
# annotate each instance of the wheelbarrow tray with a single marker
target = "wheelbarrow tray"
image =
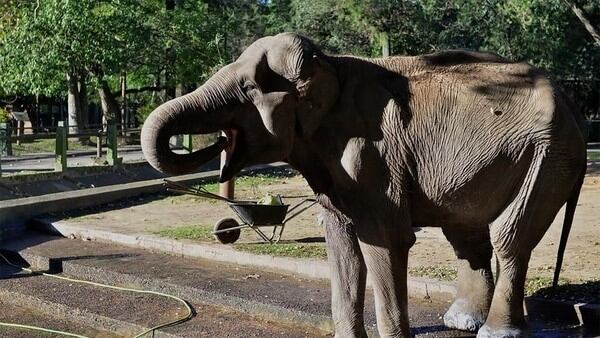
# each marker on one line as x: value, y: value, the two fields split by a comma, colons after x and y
x: 260, y: 214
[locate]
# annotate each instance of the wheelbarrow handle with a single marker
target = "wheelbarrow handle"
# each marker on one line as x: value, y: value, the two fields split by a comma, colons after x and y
x: 293, y: 212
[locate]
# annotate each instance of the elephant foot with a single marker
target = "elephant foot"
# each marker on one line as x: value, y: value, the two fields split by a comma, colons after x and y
x: 461, y: 317
x: 357, y: 333
x: 504, y: 332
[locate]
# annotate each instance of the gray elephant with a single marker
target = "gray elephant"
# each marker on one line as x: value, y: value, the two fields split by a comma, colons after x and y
x: 486, y: 149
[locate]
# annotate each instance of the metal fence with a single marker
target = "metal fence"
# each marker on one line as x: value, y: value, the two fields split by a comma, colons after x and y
x: 108, y: 132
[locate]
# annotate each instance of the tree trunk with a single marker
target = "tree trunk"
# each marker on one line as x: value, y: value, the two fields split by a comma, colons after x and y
x: 73, y: 103
x: 83, y: 116
x: 110, y: 107
x: 581, y: 15
x: 83, y: 103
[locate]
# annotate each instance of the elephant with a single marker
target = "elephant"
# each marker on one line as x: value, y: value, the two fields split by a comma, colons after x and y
x: 486, y: 149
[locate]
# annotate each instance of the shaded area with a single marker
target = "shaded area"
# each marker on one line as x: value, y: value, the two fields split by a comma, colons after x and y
x: 588, y: 292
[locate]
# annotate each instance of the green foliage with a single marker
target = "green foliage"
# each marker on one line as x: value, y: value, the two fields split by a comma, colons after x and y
x: 144, y: 110
x: 542, y: 32
x: 42, y: 41
x: 3, y: 115
x: 333, y: 24
x: 47, y: 40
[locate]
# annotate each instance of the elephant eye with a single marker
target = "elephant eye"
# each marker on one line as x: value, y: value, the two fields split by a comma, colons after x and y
x: 249, y: 86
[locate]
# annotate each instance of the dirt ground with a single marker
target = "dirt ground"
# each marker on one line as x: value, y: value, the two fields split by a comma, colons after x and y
x: 149, y: 215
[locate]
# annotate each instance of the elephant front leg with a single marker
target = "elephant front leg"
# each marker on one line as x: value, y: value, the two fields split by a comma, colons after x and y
x: 475, y: 281
x: 385, y: 251
x: 348, y: 276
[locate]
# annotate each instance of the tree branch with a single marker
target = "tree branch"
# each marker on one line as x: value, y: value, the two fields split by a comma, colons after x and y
x: 144, y: 89
x: 581, y: 15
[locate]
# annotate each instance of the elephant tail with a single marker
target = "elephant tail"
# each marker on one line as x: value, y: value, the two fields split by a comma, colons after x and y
x: 568, y: 222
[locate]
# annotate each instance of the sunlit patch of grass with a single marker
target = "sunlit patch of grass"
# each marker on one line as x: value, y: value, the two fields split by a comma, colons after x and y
x: 593, y: 155
x: 295, y: 250
x: 45, y: 146
x: 581, y: 292
x: 536, y: 283
x: 253, y: 180
x: 439, y: 272
x: 193, y: 232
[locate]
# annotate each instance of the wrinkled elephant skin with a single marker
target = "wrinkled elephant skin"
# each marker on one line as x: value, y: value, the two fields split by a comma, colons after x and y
x: 487, y: 149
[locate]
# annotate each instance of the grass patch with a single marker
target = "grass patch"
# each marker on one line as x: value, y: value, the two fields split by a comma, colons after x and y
x: 439, y: 272
x: 294, y: 250
x: 45, y: 146
x: 593, y: 155
x: 588, y: 292
x: 193, y: 232
x: 537, y: 283
x: 254, y: 179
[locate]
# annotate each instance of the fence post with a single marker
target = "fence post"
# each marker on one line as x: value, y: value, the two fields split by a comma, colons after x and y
x: 60, y: 159
x: 111, y: 142
x: 5, y: 141
x: 187, y: 143
x: 99, y: 145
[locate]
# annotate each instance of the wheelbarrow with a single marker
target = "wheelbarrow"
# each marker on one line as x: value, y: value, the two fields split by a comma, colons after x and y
x: 252, y: 215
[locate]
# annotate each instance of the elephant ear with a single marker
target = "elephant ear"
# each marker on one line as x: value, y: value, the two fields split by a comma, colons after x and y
x: 315, y: 79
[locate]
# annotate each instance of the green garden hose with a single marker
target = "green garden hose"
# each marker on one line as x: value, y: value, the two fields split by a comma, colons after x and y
x: 67, y: 334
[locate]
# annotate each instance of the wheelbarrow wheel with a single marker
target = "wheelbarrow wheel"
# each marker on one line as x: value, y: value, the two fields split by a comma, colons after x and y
x: 227, y: 237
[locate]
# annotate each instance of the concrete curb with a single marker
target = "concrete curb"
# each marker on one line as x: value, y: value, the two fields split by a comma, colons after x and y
x: 19, y: 210
x: 77, y: 316
x: 307, y: 267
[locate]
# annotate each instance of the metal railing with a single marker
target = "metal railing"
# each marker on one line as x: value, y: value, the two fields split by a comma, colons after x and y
x: 61, y: 134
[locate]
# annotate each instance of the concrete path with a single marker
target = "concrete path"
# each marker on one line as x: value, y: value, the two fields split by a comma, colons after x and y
x: 27, y: 316
x: 230, y: 300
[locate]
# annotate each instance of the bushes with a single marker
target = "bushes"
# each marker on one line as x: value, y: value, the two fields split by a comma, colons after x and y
x: 3, y: 115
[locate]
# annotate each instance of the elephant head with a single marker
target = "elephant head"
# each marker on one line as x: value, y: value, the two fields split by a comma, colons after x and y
x: 277, y: 90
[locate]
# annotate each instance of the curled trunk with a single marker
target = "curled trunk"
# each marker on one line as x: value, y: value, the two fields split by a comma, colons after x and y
x: 188, y: 114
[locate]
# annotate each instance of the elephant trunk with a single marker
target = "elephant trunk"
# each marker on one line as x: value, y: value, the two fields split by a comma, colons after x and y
x: 188, y: 114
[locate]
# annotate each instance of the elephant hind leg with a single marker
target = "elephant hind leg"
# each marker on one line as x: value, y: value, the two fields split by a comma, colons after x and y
x: 469, y: 310
x: 515, y: 233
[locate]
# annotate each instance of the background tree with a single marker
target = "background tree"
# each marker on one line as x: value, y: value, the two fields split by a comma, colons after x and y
x: 59, y: 48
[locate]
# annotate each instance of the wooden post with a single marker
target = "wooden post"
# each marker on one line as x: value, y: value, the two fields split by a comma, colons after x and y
x: 20, y: 130
x: 5, y: 141
x: 112, y: 142
x: 385, y: 44
x: 60, y: 154
x: 188, y: 143
x: 124, y: 115
x: 226, y: 189
x: 99, y: 145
